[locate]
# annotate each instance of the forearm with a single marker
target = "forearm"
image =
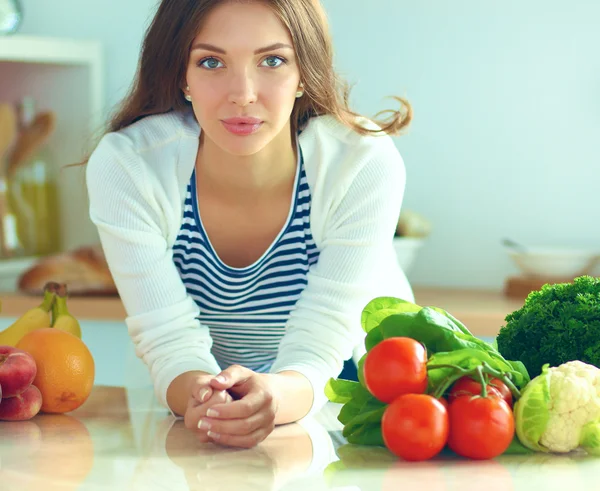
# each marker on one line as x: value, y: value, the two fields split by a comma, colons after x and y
x: 179, y: 390
x: 294, y: 396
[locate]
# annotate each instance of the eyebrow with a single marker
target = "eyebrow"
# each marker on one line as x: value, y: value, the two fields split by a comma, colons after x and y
x: 272, y: 47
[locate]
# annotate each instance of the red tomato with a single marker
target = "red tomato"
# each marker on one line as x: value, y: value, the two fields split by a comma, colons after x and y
x: 503, y: 389
x: 394, y: 367
x: 480, y: 427
x: 468, y: 386
x: 415, y: 427
x: 444, y: 402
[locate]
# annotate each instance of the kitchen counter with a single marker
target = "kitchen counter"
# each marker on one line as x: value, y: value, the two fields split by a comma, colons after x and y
x: 121, y: 440
x: 482, y: 311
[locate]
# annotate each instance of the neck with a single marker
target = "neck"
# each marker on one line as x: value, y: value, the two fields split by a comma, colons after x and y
x: 246, y: 177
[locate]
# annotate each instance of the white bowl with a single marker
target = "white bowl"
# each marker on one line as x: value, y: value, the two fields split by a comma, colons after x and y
x: 406, y: 251
x: 555, y: 262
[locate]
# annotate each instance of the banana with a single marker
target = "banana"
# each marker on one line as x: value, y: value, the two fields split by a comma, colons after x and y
x: 61, y: 318
x: 35, y: 318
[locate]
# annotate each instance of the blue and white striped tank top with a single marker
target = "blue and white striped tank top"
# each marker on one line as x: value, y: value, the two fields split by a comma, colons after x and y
x: 246, y: 309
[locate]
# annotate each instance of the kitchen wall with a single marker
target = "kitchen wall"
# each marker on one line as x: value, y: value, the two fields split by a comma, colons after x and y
x: 506, y: 136
x: 118, y: 25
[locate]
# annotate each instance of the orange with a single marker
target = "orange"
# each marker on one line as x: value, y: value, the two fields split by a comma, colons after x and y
x: 65, y: 368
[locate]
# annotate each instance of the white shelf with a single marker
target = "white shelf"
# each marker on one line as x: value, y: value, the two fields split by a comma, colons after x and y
x: 33, y: 49
x: 65, y: 76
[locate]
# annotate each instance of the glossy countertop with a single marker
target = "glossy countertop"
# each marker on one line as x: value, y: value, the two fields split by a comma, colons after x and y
x: 120, y: 439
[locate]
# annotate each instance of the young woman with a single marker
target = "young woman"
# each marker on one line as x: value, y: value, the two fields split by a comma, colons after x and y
x: 246, y: 213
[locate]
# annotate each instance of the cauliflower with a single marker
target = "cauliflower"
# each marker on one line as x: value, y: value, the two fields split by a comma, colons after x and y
x: 559, y: 410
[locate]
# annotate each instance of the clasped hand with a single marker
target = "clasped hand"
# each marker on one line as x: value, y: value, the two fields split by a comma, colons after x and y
x: 235, y: 408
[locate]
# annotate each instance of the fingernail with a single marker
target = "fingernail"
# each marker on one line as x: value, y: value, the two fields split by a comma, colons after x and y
x: 203, y: 394
x: 211, y: 413
x: 220, y: 379
x: 214, y: 436
x: 203, y: 425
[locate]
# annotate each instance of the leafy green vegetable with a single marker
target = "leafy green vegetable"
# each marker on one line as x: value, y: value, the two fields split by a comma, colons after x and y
x: 439, y: 333
x: 559, y: 412
x: 517, y: 448
x: 590, y: 437
x: 428, y: 326
x: 532, y: 413
x: 558, y: 323
x: 448, y: 342
x: 359, y: 404
x: 469, y: 358
x: 369, y: 434
x: 359, y: 370
x: 367, y: 416
x: 340, y: 390
x: 381, y: 307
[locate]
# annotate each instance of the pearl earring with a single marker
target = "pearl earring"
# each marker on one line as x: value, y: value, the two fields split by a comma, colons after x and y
x: 300, y: 93
x: 188, y: 97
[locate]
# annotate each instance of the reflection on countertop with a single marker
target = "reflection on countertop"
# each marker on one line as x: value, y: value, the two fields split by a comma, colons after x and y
x: 122, y: 440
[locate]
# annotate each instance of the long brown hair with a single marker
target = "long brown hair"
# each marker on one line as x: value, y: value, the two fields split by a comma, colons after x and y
x: 160, y: 77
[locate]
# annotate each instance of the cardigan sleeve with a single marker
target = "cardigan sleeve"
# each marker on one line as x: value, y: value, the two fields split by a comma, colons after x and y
x: 161, y: 316
x: 324, y: 328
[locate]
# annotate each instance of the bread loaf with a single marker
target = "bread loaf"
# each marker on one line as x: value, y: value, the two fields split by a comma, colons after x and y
x: 83, y: 270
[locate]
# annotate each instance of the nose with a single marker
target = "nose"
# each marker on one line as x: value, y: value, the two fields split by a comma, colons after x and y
x: 242, y: 89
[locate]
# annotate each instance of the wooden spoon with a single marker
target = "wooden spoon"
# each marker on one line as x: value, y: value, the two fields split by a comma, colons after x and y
x: 8, y: 133
x: 31, y: 139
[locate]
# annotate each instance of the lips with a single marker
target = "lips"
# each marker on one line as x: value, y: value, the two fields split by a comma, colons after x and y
x: 242, y: 126
x: 242, y: 121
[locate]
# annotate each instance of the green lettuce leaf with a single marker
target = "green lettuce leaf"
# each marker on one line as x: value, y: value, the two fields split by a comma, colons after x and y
x: 468, y: 358
x: 381, y: 307
x: 532, y: 411
x: 340, y: 390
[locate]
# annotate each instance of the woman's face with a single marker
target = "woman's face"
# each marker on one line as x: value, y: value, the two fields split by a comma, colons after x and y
x: 242, y: 65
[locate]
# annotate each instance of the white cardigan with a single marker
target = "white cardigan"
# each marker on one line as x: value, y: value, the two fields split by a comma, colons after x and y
x: 137, y: 180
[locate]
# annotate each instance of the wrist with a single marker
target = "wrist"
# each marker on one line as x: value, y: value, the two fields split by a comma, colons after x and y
x: 180, y: 390
x: 272, y: 381
x: 198, y: 378
x: 292, y: 394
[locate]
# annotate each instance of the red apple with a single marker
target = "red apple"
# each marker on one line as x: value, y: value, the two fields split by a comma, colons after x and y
x: 17, y: 371
x: 23, y: 406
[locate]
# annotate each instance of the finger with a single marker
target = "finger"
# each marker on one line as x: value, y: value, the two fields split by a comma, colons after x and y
x: 196, y: 411
x: 202, y: 393
x: 239, y: 427
x: 232, y: 375
x: 193, y: 413
x: 242, y: 408
x: 245, y: 441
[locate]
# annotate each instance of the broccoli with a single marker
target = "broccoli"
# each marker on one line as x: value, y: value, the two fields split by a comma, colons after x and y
x: 558, y: 323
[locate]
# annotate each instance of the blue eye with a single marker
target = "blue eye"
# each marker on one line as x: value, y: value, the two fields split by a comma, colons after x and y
x: 274, y: 58
x: 271, y: 62
x: 209, y: 63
